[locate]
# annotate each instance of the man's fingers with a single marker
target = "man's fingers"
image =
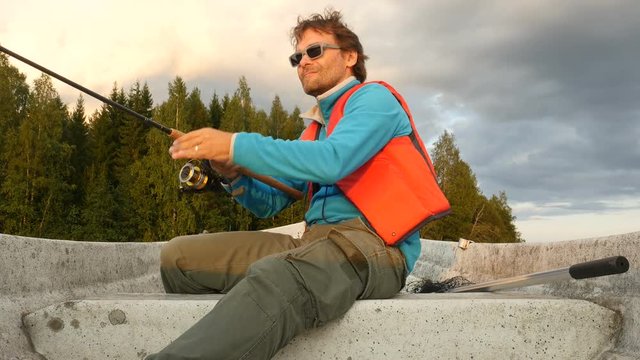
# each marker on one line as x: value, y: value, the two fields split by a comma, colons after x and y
x: 187, y: 146
x: 205, y: 143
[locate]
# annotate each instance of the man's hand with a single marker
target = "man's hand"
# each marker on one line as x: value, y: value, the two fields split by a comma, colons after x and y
x: 207, y: 143
x: 227, y: 170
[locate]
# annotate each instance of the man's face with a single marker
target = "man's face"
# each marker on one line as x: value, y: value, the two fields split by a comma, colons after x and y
x: 321, y: 74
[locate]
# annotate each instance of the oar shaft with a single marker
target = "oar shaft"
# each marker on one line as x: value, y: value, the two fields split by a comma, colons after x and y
x: 517, y: 281
x: 601, y: 267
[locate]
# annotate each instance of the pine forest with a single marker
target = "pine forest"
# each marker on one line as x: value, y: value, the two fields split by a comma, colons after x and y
x: 106, y: 176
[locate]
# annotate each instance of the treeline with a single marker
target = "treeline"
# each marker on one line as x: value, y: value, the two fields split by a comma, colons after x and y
x: 108, y: 177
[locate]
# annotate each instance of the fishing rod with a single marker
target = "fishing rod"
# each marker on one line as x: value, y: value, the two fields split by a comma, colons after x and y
x: 590, y: 269
x: 194, y: 175
x: 171, y: 132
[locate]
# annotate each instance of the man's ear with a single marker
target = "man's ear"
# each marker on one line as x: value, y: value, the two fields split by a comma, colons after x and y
x: 351, y: 58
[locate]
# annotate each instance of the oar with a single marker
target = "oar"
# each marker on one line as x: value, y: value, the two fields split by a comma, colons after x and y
x: 590, y: 269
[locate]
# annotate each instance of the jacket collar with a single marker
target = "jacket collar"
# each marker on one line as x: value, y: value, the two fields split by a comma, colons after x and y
x: 326, y: 101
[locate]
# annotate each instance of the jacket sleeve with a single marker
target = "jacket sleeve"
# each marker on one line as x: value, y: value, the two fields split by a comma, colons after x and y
x: 262, y: 200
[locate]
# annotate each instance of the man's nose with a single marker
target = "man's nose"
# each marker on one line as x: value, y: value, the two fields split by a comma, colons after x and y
x: 305, y: 60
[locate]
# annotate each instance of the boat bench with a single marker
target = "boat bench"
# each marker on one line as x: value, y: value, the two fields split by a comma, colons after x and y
x: 409, y: 326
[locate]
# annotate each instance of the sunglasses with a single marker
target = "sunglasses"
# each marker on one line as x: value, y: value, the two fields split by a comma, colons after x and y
x: 313, y: 51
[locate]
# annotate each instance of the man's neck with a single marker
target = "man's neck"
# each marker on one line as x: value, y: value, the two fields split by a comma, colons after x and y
x: 315, y: 113
x: 339, y: 86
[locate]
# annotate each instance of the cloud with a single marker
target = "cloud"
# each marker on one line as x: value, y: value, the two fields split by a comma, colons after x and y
x: 542, y: 97
x: 120, y: 41
x: 572, y: 226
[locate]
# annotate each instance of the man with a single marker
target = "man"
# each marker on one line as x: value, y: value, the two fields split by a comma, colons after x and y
x: 278, y: 286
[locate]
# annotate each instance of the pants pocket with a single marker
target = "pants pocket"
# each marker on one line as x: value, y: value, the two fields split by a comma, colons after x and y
x: 381, y: 268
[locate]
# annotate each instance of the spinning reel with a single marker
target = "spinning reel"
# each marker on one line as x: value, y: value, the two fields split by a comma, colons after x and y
x: 197, y: 176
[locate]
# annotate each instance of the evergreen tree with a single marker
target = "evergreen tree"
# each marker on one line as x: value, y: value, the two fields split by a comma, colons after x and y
x: 104, y: 134
x: 459, y: 185
x: 473, y: 216
x: 14, y: 93
x: 153, y: 174
x: 294, y: 125
x: 203, y: 210
x: 243, y: 93
x: 76, y: 135
x: 226, y: 99
x: 215, y: 112
x: 238, y: 110
x: 100, y: 214
x: 132, y: 130
x: 154, y: 194
x: 277, y: 119
x: 35, y: 188
x: 133, y: 147
x: 506, y: 218
x: 197, y: 113
x: 232, y: 119
x: 260, y: 123
x: 494, y: 221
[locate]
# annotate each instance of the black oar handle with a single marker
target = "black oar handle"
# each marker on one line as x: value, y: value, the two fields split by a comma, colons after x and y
x: 601, y: 267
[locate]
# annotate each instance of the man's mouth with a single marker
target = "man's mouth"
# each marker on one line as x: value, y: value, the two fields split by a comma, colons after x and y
x: 308, y: 70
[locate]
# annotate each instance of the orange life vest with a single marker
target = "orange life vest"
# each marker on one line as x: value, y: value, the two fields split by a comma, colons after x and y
x: 396, y: 190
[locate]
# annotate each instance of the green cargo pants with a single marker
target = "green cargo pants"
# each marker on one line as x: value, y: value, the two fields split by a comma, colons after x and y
x: 277, y: 286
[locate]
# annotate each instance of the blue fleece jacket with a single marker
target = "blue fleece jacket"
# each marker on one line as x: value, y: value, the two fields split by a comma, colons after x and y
x: 372, y: 117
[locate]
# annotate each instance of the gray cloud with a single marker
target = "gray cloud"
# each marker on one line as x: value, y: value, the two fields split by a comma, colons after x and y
x: 542, y: 96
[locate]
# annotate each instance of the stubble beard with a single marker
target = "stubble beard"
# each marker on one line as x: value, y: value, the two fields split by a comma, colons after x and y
x: 319, y: 84
x: 313, y: 86
x: 320, y: 80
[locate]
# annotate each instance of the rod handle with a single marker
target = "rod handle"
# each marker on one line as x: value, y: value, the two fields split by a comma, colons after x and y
x: 175, y: 134
x: 601, y: 267
x: 296, y: 194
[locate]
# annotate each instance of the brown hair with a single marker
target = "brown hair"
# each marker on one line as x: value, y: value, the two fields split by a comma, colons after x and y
x: 331, y: 23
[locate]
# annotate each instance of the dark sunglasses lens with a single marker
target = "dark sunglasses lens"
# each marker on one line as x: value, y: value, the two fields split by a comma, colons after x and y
x: 314, y: 51
x: 295, y: 59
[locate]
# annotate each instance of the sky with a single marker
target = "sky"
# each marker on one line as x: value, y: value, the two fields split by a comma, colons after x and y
x: 543, y: 97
